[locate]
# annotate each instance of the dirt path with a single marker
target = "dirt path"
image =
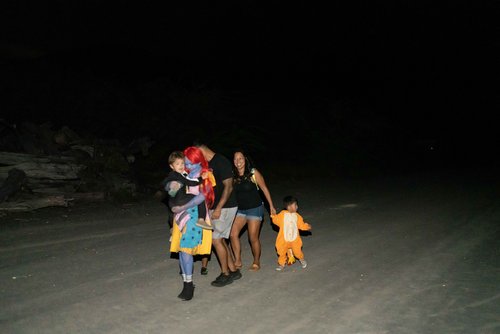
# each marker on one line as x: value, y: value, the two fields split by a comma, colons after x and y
x: 414, y: 254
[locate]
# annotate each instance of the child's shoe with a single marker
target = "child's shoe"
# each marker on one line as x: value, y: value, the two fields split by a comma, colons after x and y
x: 203, y: 224
x: 204, y: 271
x: 303, y: 263
x: 280, y: 267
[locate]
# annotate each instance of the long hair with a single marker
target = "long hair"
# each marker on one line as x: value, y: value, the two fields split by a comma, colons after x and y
x: 249, y: 166
x: 195, y: 155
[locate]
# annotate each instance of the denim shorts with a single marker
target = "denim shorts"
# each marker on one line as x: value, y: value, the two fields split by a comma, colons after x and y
x: 253, y: 213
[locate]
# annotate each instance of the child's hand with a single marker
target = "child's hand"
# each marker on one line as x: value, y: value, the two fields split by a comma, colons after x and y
x: 204, y: 175
x: 172, y: 188
x: 309, y: 227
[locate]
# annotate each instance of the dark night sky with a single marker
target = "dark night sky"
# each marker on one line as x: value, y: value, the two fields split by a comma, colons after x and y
x: 411, y: 70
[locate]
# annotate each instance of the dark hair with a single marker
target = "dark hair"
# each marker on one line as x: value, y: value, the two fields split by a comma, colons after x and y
x: 203, y: 140
x: 249, y: 166
x: 289, y: 200
x: 198, y: 143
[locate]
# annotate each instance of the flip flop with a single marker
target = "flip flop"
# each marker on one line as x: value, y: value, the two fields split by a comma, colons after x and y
x: 254, y: 267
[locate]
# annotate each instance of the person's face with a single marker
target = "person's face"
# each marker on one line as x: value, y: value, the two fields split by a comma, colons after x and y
x: 194, y: 169
x: 239, y: 160
x: 178, y: 165
x: 292, y: 207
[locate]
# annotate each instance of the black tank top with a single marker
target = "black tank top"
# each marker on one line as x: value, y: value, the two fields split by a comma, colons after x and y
x: 247, y: 195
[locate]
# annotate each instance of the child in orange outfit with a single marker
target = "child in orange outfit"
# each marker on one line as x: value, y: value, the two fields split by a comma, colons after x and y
x: 290, y: 222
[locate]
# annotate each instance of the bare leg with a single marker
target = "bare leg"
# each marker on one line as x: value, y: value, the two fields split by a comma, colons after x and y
x: 253, y: 236
x: 222, y: 252
x: 239, y: 223
x: 204, y: 261
x: 230, y: 261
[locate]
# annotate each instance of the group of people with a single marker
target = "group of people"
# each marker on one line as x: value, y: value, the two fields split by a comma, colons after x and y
x: 212, y: 201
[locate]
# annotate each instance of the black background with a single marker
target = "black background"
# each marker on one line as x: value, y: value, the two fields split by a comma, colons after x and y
x: 380, y: 82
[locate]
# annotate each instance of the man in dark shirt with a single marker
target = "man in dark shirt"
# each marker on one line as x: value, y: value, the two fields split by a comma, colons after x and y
x: 222, y: 214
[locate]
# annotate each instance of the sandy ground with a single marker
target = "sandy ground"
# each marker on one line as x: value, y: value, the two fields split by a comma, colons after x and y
x: 407, y: 254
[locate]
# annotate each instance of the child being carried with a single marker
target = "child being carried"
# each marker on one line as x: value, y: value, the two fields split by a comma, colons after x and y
x: 181, y: 189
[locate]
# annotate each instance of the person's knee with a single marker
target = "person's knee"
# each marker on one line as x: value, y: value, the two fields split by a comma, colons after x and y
x: 253, y: 236
x: 217, y: 242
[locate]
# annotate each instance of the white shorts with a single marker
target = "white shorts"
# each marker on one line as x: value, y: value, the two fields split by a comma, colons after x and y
x: 222, y: 226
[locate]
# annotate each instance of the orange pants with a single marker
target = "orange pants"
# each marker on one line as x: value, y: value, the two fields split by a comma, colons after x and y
x: 296, y: 248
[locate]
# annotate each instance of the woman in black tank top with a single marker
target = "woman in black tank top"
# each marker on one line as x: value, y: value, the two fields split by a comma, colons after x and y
x: 247, y: 183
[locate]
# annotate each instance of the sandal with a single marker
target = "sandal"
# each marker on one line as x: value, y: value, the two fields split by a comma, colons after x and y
x: 254, y: 267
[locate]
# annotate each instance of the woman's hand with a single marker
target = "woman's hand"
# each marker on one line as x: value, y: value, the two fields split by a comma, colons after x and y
x: 176, y: 209
x: 192, y: 203
x: 273, y: 211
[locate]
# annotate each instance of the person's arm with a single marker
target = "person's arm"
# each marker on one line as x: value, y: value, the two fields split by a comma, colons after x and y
x: 195, y: 182
x: 277, y: 219
x: 302, y: 225
x: 228, y: 188
x: 195, y: 201
x: 259, y: 178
